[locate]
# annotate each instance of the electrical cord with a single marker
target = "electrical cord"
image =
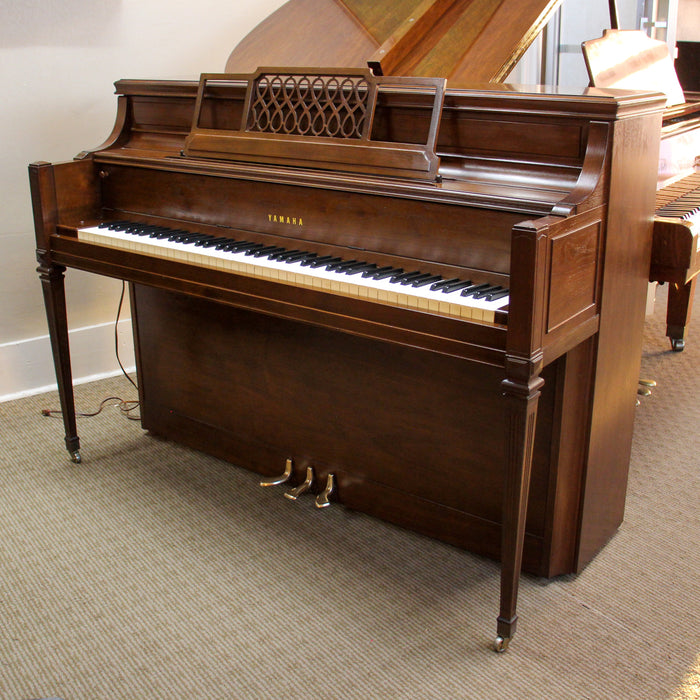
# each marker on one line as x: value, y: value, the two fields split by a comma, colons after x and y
x: 125, y: 406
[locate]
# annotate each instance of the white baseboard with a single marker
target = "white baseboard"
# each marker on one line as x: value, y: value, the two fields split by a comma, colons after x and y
x: 26, y: 366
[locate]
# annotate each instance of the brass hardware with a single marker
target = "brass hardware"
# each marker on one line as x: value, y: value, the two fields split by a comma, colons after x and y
x: 647, y: 382
x: 643, y: 390
x: 501, y: 644
x: 297, y: 491
x: 282, y: 478
x: 323, y: 498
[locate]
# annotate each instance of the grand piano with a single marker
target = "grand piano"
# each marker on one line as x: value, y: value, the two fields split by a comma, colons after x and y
x: 630, y: 59
x: 413, y: 297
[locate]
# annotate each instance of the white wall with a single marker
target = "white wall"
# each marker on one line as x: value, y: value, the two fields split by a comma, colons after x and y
x: 688, y: 20
x: 58, y: 62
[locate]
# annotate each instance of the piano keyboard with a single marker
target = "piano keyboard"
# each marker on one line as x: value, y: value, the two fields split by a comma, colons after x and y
x: 681, y: 200
x: 361, y: 279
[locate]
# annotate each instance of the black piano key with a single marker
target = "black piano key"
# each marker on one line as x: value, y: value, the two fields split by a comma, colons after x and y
x: 188, y: 238
x: 497, y: 295
x: 307, y: 259
x: 267, y: 251
x: 315, y: 258
x: 341, y: 266
x: 320, y: 262
x: 255, y: 246
x: 200, y: 238
x: 385, y: 270
x: 297, y: 257
x: 356, y: 269
x: 177, y: 236
x: 356, y: 266
x: 456, y: 286
x: 213, y: 241
x: 143, y: 230
x: 162, y: 233
x: 262, y: 249
x: 431, y: 279
x: 410, y: 280
x: 437, y: 286
x: 240, y: 247
x: 221, y: 244
x: 283, y: 257
x: 474, y: 289
x: 139, y: 229
x: 112, y: 225
x: 118, y: 225
x: 405, y: 276
x: 487, y: 290
x: 384, y: 273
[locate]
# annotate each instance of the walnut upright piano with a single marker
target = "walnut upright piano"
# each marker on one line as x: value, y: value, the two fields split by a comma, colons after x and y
x: 421, y: 301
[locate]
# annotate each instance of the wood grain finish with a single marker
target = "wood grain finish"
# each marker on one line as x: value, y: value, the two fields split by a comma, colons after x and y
x: 461, y: 40
x: 510, y: 438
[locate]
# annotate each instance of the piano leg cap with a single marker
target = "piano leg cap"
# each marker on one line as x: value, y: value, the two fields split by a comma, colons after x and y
x: 501, y: 644
x: 75, y: 456
x: 677, y: 344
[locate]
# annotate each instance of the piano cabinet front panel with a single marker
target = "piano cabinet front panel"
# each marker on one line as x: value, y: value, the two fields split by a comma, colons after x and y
x: 413, y: 437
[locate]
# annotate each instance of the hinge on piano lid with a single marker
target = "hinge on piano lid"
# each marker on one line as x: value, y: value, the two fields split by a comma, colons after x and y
x: 315, y: 118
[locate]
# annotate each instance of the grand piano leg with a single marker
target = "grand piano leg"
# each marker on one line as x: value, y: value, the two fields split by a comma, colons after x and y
x: 521, y: 412
x: 52, y: 282
x: 680, y: 304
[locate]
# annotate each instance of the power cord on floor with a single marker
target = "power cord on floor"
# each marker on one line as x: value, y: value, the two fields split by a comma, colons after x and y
x: 125, y: 406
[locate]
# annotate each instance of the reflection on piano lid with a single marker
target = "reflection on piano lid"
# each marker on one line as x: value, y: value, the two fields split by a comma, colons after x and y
x: 362, y: 279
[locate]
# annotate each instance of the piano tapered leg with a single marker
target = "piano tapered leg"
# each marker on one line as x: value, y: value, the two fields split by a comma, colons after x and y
x: 521, y: 412
x: 680, y: 304
x: 52, y: 282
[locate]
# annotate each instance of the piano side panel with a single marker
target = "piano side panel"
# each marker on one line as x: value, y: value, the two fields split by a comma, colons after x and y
x: 77, y: 191
x: 413, y: 437
x: 619, y: 340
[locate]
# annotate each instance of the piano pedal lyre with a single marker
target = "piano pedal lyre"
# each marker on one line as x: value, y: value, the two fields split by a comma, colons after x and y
x: 323, y: 498
x: 297, y: 491
x: 282, y: 478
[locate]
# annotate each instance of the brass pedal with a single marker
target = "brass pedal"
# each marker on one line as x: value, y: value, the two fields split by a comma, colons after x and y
x: 323, y: 498
x: 282, y: 478
x: 651, y: 383
x: 297, y: 491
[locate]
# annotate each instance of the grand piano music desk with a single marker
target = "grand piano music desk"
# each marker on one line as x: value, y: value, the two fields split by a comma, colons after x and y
x: 405, y: 399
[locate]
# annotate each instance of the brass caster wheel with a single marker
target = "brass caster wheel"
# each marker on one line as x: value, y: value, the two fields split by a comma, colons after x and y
x: 501, y: 644
x: 75, y: 457
x: 677, y: 344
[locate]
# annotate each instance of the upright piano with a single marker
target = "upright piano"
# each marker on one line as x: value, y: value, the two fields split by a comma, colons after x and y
x: 626, y: 58
x: 420, y: 300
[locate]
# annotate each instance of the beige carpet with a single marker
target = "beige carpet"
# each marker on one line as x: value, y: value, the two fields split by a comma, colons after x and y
x: 151, y: 571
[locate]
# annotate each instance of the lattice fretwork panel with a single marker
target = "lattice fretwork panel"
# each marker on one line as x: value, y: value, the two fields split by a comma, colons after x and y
x: 333, y: 106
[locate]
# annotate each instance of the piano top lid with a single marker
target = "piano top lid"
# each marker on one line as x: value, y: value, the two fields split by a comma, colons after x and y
x: 460, y: 40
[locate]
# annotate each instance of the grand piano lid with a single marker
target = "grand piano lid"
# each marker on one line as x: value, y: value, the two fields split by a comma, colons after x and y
x: 461, y: 40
